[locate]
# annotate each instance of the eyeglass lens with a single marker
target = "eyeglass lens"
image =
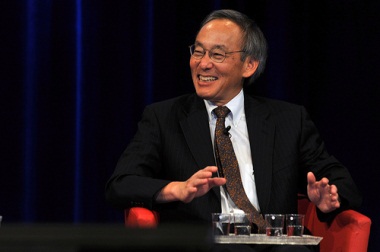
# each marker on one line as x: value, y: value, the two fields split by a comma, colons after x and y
x: 215, y: 54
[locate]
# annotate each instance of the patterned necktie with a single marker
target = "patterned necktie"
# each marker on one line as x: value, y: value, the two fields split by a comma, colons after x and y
x: 226, y: 158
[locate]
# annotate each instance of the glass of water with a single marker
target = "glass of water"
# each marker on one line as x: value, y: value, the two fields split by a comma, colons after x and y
x: 295, y: 224
x: 242, y: 224
x: 274, y: 224
x: 221, y: 223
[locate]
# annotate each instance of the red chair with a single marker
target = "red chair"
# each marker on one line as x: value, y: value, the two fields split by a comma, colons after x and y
x: 139, y: 217
x: 348, y: 232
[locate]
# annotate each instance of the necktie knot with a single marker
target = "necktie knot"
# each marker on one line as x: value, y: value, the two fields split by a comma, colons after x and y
x: 221, y: 111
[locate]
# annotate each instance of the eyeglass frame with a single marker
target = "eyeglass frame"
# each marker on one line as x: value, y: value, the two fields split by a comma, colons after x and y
x: 210, y: 53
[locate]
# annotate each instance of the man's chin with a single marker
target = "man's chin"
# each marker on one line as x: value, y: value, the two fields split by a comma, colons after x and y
x: 204, y: 95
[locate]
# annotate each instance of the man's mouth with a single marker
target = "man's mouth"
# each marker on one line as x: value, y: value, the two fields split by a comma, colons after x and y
x: 207, y: 78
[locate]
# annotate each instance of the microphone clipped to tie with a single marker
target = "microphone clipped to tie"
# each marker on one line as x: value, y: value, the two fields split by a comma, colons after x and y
x: 226, y: 130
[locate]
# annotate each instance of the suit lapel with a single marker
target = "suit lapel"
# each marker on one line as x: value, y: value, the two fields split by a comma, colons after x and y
x: 261, y: 136
x: 196, y: 129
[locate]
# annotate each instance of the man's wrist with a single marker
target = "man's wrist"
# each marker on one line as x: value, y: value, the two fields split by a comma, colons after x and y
x: 167, y: 193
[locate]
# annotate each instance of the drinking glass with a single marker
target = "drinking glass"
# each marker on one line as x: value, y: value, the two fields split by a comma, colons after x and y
x: 274, y: 224
x: 242, y: 224
x: 221, y: 223
x: 295, y: 224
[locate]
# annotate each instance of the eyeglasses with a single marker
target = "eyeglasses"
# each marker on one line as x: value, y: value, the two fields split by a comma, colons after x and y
x: 216, y: 54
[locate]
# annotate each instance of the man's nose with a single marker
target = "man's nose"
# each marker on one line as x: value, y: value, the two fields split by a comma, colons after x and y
x: 205, y: 61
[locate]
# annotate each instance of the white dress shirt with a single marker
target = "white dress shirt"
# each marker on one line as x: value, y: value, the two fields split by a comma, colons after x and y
x: 240, y: 142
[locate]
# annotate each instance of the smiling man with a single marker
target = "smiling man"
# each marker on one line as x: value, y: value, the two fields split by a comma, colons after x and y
x: 175, y: 165
x: 220, y: 76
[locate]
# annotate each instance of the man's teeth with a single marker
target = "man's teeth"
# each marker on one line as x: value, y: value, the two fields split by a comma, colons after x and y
x: 207, y: 78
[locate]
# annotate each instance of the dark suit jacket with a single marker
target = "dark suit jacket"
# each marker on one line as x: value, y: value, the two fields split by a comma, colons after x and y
x: 173, y: 142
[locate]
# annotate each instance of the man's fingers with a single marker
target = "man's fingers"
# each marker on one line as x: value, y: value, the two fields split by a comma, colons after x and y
x: 206, y: 172
x: 310, y: 178
x: 334, y: 193
x: 217, y: 181
x: 211, y: 169
x: 198, y: 182
x: 324, y: 182
x: 333, y: 189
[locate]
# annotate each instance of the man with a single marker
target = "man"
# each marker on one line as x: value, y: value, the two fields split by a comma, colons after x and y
x: 170, y: 164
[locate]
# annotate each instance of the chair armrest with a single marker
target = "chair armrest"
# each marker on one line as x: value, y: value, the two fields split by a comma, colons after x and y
x: 349, y: 231
x: 351, y: 217
x: 139, y: 217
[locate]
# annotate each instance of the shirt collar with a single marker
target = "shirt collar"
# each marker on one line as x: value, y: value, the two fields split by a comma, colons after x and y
x: 236, y: 105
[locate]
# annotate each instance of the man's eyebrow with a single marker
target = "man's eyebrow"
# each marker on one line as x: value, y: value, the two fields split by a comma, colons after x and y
x: 219, y: 47
x: 197, y: 43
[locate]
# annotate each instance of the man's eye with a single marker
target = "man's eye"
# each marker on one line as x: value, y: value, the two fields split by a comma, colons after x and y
x: 219, y: 56
x: 198, y: 53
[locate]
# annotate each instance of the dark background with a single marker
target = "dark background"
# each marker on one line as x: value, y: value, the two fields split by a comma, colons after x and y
x: 75, y: 76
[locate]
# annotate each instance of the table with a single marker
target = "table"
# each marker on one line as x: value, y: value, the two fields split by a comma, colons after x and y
x: 264, y: 239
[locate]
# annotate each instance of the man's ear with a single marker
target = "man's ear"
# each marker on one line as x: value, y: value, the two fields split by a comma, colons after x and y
x: 250, y: 67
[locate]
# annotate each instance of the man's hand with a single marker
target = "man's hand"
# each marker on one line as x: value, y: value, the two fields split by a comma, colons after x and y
x: 323, y: 195
x: 197, y: 185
